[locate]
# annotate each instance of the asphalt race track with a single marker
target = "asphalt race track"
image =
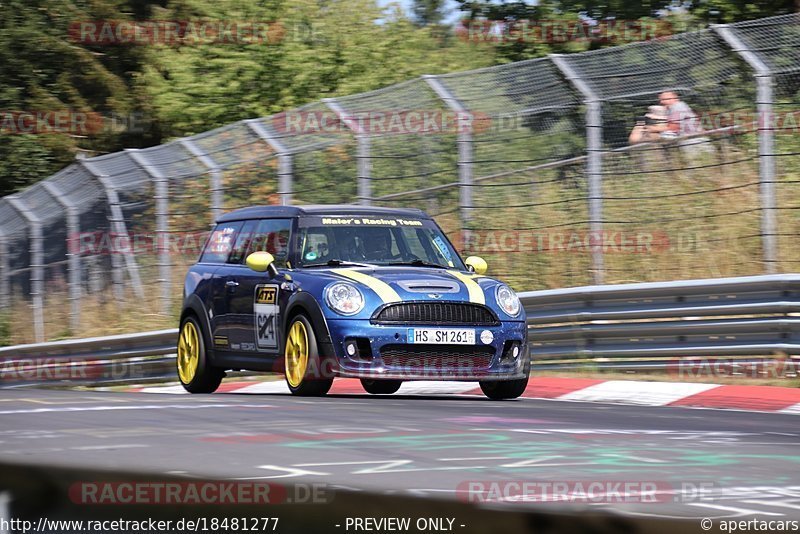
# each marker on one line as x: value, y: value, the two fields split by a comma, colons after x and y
x: 706, y: 463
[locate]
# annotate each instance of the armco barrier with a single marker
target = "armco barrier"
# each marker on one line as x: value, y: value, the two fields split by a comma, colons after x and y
x: 139, y: 357
x: 649, y: 325
x: 624, y: 326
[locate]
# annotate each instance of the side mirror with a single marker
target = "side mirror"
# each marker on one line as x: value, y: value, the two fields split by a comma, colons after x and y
x: 262, y: 262
x: 476, y: 264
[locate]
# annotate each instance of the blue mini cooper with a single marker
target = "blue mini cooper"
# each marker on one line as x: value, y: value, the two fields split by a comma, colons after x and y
x: 317, y: 292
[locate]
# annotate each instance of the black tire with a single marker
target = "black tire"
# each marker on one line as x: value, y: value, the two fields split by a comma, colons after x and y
x: 506, y: 389
x: 381, y: 387
x: 206, y: 378
x: 314, y: 383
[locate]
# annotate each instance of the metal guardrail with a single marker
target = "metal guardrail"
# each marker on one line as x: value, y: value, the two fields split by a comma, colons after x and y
x: 139, y: 357
x: 651, y: 325
x: 624, y: 326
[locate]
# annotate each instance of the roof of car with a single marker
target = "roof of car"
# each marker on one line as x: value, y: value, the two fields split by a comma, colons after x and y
x: 257, y: 212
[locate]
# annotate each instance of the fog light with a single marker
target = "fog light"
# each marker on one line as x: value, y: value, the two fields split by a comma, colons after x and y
x: 511, y: 352
x: 351, y: 349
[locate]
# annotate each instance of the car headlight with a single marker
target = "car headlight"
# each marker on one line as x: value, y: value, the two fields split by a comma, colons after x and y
x: 507, y: 300
x: 344, y: 298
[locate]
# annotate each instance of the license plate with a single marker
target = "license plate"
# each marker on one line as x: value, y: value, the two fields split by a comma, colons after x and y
x: 442, y: 336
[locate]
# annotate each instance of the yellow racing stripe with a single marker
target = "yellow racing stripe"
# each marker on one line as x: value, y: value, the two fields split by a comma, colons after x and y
x: 384, y: 290
x: 475, y: 292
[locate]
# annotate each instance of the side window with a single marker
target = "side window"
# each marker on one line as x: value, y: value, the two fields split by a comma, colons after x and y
x: 272, y: 235
x: 220, y: 243
x: 243, y: 242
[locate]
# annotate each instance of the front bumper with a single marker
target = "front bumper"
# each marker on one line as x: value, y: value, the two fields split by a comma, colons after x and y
x: 384, y: 353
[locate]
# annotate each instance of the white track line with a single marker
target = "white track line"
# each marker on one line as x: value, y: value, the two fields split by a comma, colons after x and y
x: 794, y: 409
x: 632, y: 392
x: 273, y: 386
x: 435, y: 388
x: 173, y: 390
x: 131, y: 407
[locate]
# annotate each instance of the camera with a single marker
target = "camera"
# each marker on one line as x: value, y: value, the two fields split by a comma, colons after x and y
x: 647, y: 120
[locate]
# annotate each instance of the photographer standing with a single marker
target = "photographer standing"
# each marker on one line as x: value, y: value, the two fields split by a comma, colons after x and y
x: 682, y: 120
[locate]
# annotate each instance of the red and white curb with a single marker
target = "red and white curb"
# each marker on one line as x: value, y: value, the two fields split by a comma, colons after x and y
x: 685, y: 394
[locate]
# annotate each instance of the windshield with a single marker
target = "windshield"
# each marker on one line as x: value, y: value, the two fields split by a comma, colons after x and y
x: 376, y: 241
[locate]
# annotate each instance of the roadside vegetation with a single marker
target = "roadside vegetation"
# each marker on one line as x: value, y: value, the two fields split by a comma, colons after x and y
x: 147, y: 95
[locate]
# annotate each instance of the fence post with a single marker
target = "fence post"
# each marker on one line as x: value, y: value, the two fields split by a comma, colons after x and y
x: 285, y: 163
x: 594, y: 162
x: 766, y: 144
x: 73, y: 253
x: 37, y: 264
x: 465, y: 151
x: 5, y: 279
x: 362, y: 151
x: 215, y: 175
x: 162, y: 226
x: 117, y: 225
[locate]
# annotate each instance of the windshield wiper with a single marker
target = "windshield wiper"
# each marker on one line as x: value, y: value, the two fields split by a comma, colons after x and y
x: 339, y: 263
x: 419, y: 263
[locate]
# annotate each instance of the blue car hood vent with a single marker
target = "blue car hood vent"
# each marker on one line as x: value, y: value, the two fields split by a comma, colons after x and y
x: 429, y: 286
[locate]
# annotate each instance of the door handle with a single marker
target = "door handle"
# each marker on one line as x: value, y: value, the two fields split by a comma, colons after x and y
x: 230, y: 284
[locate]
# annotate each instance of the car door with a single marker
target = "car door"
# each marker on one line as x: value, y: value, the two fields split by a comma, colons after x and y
x: 254, y: 324
x: 215, y: 255
x: 234, y: 302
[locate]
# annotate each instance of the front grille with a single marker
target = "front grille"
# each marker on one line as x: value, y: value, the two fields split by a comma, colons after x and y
x: 436, y: 313
x: 467, y: 358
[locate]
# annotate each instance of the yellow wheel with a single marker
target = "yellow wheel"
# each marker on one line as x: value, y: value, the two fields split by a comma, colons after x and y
x: 188, y: 352
x: 296, y: 353
x: 195, y: 372
x: 305, y: 374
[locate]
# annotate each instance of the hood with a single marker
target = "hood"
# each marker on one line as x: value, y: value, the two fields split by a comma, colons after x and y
x: 390, y: 284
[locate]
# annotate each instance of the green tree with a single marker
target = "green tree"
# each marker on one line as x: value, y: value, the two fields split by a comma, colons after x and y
x: 43, y: 70
x: 726, y: 10
x: 677, y: 16
x: 321, y: 51
x: 737, y: 10
x: 427, y: 12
